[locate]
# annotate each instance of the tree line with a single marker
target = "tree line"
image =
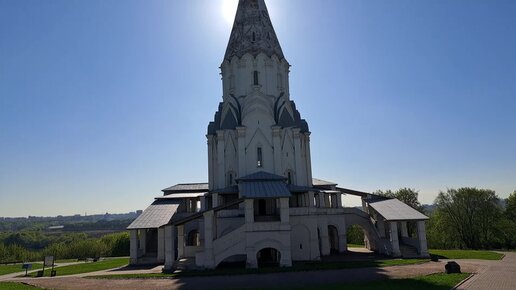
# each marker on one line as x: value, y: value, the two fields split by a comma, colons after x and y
x: 466, y: 218
x: 79, y: 246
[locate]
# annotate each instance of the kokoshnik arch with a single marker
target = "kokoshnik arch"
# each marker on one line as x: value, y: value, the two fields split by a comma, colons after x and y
x: 261, y: 204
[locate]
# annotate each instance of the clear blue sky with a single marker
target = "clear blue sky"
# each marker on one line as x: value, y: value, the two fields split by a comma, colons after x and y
x: 105, y: 103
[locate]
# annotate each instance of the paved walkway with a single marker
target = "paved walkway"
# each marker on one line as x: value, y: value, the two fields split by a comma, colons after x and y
x: 490, y: 275
x: 292, y: 279
x: 499, y: 275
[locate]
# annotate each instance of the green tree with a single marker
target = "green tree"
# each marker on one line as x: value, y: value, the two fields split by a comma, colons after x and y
x: 406, y: 195
x: 510, y: 207
x: 471, y: 214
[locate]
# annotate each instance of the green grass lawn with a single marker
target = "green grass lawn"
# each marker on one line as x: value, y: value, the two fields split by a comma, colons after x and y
x: 8, y: 269
x: 466, y: 254
x: 16, y: 286
x: 87, y: 267
x: 297, y: 267
x: 355, y: 246
x: 431, y: 282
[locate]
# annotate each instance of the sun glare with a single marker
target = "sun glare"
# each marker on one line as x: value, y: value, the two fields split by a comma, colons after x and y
x: 228, y: 9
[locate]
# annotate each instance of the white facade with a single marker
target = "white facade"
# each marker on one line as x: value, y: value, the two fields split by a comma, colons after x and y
x: 261, y: 204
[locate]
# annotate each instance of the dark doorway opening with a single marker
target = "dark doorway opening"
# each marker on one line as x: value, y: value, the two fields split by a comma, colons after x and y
x: 268, y: 257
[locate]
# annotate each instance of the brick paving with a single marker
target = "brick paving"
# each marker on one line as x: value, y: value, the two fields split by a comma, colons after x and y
x: 499, y: 275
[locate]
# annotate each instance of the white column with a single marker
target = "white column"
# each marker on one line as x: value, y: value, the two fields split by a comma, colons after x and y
x: 143, y: 241
x: 134, y: 247
x: 249, y: 213
x: 161, y: 245
x: 339, y: 200
x: 170, y: 248
x: 241, y: 151
x: 284, y: 211
x: 276, y: 141
x: 311, y: 199
x: 404, y: 229
x: 322, y: 204
x: 210, y: 162
x: 393, y: 233
x: 180, y: 241
x: 421, y: 233
x: 300, y: 173
x: 209, y: 261
x: 221, y: 166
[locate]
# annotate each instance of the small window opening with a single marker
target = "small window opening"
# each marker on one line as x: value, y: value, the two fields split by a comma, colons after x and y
x: 259, y: 157
x: 254, y: 37
x: 256, y: 80
x: 231, y: 179
x: 289, y: 175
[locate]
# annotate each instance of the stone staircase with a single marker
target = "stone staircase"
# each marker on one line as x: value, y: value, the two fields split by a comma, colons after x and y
x: 185, y: 264
x: 408, y: 251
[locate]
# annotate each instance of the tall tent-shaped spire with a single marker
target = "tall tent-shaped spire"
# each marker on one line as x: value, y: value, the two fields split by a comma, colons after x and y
x: 253, y: 32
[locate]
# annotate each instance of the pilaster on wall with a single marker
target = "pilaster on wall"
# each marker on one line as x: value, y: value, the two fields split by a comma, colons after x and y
x: 325, y: 240
x: 276, y: 141
x: 211, y: 173
x: 221, y: 166
x: 308, y: 156
x: 241, y: 132
x: 300, y: 172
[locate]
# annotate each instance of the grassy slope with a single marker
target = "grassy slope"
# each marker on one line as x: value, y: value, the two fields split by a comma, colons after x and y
x: 296, y: 268
x: 8, y: 269
x: 466, y: 254
x: 88, y: 267
x: 430, y: 282
x: 16, y: 286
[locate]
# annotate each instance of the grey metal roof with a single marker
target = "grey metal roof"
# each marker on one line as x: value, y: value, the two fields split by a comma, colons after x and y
x: 299, y: 188
x: 156, y: 215
x: 264, y: 189
x: 320, y: 182
x: 230, y: 189
x: 182, y: 195
x: 261, y: 175
x: 188, y: 187
x: 395, y: 210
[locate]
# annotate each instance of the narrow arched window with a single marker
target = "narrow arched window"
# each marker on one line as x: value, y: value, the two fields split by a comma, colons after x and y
x: 255, y: 77
x: 259, y: 157
x: 289, y: 176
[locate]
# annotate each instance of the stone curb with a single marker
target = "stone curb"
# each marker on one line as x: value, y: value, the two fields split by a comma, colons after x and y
x: 462, y: 282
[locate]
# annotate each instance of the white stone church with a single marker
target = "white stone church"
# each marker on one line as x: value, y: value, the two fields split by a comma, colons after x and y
x: 261, y: 205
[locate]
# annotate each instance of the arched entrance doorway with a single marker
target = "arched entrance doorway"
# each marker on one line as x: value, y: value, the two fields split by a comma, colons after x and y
x: 268, y: 257
x: 333, y: 235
